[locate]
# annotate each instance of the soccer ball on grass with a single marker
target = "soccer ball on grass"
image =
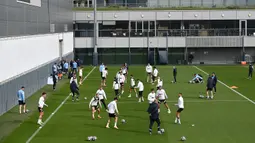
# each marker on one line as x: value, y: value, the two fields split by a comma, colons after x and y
x: 123, y: 121
x: 183, y: 138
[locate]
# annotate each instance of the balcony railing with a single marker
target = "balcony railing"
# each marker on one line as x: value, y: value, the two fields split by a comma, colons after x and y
x: 164, y: 33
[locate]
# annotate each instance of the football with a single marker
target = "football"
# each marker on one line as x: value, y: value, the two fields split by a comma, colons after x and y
x: 183, y: 138
x: 162, y: 130
x: 123, y: 121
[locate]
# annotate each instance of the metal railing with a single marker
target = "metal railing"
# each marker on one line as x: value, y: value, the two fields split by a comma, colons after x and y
x: 165, y: 33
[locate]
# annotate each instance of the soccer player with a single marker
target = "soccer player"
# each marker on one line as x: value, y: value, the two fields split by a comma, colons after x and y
x: 180, y: 106
x: 149, y: 72
x: 113, y: 112
x: 140, y: 87
x: 80, y: 74
x: 174, y: 74
x: 209, y: 86
x: 102, y: 96
x: 250, y: 71
x: 124, y: 71
x: 104, y: 75
x: 132, y: 86
x: 162, y: 96
x: 215, y: 80
x: 101, y: 68
x: 152, y: 96
x: 122, y: 80
x: 116, y: 87
x: 41, y: 104
x: 160, y: 83
x: 75, y: 66
x: 74, y: 79
x: 155, y: 75
x: 21, y: 100
x: 74, y: 90
x: 154, y: 116
x: 197, y: 79
x: 95, y: 103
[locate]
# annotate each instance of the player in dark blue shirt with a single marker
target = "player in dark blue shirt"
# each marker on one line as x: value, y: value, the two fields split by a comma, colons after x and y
x: 154, y: 116
x: 215, y: 80
x: 174, y: 74
x: 250, y: 71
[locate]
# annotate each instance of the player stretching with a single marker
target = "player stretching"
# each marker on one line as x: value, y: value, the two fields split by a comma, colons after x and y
x: 95, y: 103
x: 102, y: 96
x: 104, y: 75
x: 140, y: 86
x: 116, y: 87
x: 162, y: 96
x: 40, y: 108
x: 160, y: 83
x: 180, y: 106
x: 155, y: 75
x: 149, y: 71
x: 210, y: 85
x: 132, y: 86
x: 122, y: 80
x: 113, y: 109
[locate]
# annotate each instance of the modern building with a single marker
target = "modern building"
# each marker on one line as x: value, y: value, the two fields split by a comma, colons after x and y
x: 34, y: 34
x: 166, y: 36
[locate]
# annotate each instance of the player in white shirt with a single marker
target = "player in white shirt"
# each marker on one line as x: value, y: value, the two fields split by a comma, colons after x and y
x: 102, y: 96
x: 160, y: 83
x: 180, y: 106
x: 118, y: 76
x: 104, y: 75
x: 41, y: 104
x: 152, y: 96
x: 122, y: 79
x: 140, y: 87
x: 95, y: 104
x: 124, y: 70
x: 132, y: 86
x: 113, y: 113
x: 80, y: 74
x: 162, y: 97
x: 154, y: 75
x: 116, y: 87
x: 149, y: 72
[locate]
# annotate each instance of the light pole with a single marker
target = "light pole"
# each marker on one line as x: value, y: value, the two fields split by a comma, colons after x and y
x: 95, y: 54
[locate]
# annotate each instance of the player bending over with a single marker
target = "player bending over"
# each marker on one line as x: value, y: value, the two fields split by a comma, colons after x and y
x: 140, y: 87
x: 210, y: 85
x: 104, y: 75
x: 197, y: 79
x: 160, y: 83
x: 132, y: 86
x: 180, y: 106
x: 154, y: 116
x: 113, y: 112
x: 95, y: 103
x: 149, y: 72
x: 162, y: 96
x: 41, y: 104
x: 116, y: 87
x: 102, y: 96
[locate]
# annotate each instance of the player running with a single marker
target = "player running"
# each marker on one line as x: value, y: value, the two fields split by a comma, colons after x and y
x: 197, y: 79
x: 132, y: 86
x: 116, y: 87
x: 102, y: 96
x: 180, y: 106
x: 162, y: 97
x: 140, y: 87
x: 41, y: 104
x: 113, y: 112
x: 94, y: 104
x: 104, y: 75
x: 149, y: 72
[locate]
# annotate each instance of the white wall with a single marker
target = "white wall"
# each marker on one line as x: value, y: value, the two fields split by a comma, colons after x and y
x: 21, y: 54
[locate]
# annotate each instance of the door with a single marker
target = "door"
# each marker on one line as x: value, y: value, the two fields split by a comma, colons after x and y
x: 61, y: 49
x: 242, y: 27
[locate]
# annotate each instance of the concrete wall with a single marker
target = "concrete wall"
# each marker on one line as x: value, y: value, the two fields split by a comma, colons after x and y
x: 167, y: 15
x: 22, y: 19
x: 23, y: 54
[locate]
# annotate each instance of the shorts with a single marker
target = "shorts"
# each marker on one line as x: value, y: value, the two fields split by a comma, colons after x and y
x: 124, y: 74
x: 132, y: 87
x: 103, y: 78
x: 112, y: 115
x: 153, y: 78
x: 140, y: 94
x: 21, y: 102
x: 209, y: 89
x: 80, y: 77
x: 148, y: 73
x: 180, y: 110
x: 40, y: 109
x: 162, y: 101
x: 96, y: 107
x: 122, y: 84
x: 116, y: 92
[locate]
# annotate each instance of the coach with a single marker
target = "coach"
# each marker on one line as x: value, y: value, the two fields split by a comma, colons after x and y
x: 154, y: 116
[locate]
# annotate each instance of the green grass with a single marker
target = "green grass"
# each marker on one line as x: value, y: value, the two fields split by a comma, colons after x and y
x: 118, y: 8
x: 228, y: 118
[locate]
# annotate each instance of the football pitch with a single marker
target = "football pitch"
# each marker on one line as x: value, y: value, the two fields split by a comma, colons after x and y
x: 228, y: 118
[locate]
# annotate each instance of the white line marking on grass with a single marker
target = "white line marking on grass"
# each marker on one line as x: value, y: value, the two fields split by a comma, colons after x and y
x: 62, y: 103
x: 172, y: 101
x: 227, y: 86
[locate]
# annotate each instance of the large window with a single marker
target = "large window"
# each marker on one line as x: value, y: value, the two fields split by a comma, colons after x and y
x: 31, y: 2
